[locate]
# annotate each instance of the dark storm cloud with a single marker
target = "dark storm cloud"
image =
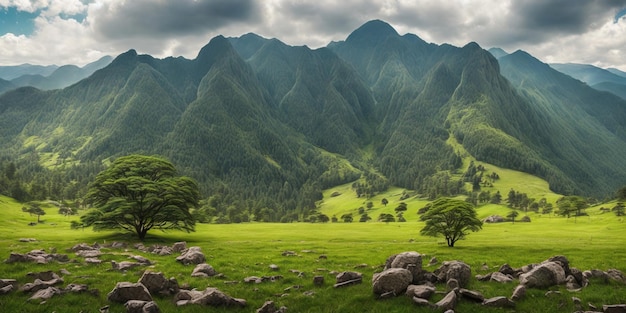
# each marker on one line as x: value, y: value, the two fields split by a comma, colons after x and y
x: 149, y: 18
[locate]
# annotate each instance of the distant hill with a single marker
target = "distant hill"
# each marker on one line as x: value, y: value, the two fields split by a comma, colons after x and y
x: 62, y: 76
x: 264, y: 127
x: 611, y: 80
x: 14, y: 71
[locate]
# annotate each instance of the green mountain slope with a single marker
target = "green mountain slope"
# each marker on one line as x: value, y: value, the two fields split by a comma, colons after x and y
x: 265, y: 127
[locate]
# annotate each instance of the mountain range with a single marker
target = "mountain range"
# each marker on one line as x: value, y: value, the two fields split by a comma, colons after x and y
x: 611, y: 80
x: 267, y: 126
x: 47, y: 77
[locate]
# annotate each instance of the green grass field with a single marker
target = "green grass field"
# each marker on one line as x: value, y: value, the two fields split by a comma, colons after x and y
x: 241, y: 250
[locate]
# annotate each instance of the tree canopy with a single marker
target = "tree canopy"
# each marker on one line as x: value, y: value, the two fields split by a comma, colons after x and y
x: 138, y: 193
x: 451, y: 218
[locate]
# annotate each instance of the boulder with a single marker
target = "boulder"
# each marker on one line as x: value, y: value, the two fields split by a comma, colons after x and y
x: 448, y: 302
x: 39, y: 284
x: 203, y: 270
x: 420, y: 291
x: 88, y: 253
x: 518, y: 293
x: 410, y: 260
x: 454, y: 269
x: 124, y: 265
x: 500, y: 278
x: 125, y: 291
x: 139, y: 306
x: 471, y: 295
x: 544, y: 275
x: 179, y: 246
x: 394, y: 280
x: 270, y: 307
x: 571, y: 284
x: 614, y: 308
x: 494, y: 219
x: 616, y: 275
x: 46, y: 275
x: 6, y: 289
x: 156, y: 283
x: 215, y: 297
x: 423, y: 302
x: 45, y: 294
x: 348, y: 278
x: 193, y: 255
x: 8, y: 282
x: 141, y: 260
x: 499, y: 302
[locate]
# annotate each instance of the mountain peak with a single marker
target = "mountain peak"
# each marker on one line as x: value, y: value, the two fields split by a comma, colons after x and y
x: 497, y: 52
x: 374, y: 30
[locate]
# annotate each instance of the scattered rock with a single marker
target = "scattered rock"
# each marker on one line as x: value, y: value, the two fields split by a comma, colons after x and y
x: 500, y: 278
x: 448, y: 302
x: 45, y: 294
x: 28, y: 240
x: 156, y: 283
x: 394, y: 280
x: 215, y: 297
x: 88, y: 253
x: 93, y: 261
x: 423, y: 302
x: 125, y: 291
x: 454, y: 269
x: 193, y: 255
x: 274, y: 267
x: 348, y: 278
x: 6, y: 289
x: 36, y: 256
x: 409, y: 260
x: 139, y: 306
x: 616, y: 275
x: 499, y: 302
x: 494, y: 219
x: 270, y: 307
x: 8, y: 282
x: 179, y: 246
x: 141, y: 260
x: 47, y: 275
x: 544, y: 275
x: 519, y: 293
x: 420, y: 291
x: 614, y: 308
x: 124, y: 265
x: 471, y: 295
x: 39, y: 284
x: 289, y: 253
x: 203, y: 270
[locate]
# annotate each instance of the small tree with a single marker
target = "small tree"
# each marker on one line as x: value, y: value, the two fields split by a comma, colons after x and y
x: 347, y: 218
x: 512, y: 215
x: 386, y: 217
x: 323, y: 218
x: 384, y: 201
x: 35, y: 209
x: 364, y: 218
x: 451, y: 218
x: 402, y: 207
x: 369, y: 205
x: 138, y: 193
x: 619, y: 209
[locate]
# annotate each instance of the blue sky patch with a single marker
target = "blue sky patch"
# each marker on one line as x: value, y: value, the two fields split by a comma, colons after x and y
x: 17, y: 22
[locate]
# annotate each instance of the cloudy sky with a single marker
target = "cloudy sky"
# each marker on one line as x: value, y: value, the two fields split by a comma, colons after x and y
x: 81, y: 31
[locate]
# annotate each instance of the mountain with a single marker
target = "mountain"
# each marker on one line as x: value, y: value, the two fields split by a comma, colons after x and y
x: 264, y: 126
x: 62, y: 76
x: 613, y: 81
x: 497, y: 52
x: 11, y: 72
x: 6, y: 85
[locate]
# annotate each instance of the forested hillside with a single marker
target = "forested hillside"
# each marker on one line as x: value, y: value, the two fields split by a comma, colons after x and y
x: 264, y: 127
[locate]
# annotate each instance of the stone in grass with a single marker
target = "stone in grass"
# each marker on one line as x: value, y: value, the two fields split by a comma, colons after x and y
x: 348, y: 278
x: 499, y: 302
x: 193, y: 255
x: 448, y: 302
x: 519, y: 292
x: 395, y: 280
x: 203, y: 270
x: 139, y: 306
x: 614, y: 308
x: 420, y: 291
x: 125, y: 291
x: 45, y: 294
x: 270, y: 307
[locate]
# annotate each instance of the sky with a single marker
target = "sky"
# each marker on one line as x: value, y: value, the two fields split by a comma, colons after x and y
x: 77, y: 32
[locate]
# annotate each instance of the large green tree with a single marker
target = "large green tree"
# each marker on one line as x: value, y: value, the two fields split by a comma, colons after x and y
x: 138, y: 193
x: 451, y: 218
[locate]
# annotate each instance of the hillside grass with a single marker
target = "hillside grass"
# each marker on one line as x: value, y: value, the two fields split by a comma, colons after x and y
x: 241, y: 250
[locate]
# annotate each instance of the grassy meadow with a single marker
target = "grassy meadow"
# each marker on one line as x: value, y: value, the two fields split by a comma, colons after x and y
x: 241, y: 250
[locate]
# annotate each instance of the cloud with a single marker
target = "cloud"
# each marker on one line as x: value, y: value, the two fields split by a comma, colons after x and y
x: 149, y: 18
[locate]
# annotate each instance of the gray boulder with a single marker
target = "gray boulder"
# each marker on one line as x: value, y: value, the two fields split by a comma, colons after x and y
x: 156, y: 283
x: 203, y: 270
x: 518, y: 293
x: 139, y: 306
x: 500, y: 278
x: 499, y: 302
x: 448, y: 302
x: 270, y: 307
x: 494, y: 219
x: 348, y: 278
x: 215, y: 297
x: 420, y: 291
x: 544, y: 275
x: 394, y: 280
x: 125, y: 291
x: 179, y: 246
x: 454, y: 269
x: 193, y: 255
x: 410, y: 260
x: 45, y: 294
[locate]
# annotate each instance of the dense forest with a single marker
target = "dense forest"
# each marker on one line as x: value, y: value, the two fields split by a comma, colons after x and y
x: 264, y: 127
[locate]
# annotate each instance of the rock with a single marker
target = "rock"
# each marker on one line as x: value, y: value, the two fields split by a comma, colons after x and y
x: 289, y: 253
x: 544, y: 275
x: 471, y: 295
x: 203, y: 270
x: 45, y: 276
x: 93, y: 261
x: 8, y: 282
x: 156, y: 283
x: 45, y: 294
x: 141, y: 260
x: 28, y: 240
x: 420, y: 291
x: 139, y: 306
x: 410, y: 260
x: 494, y: 219
x: 36, y: 256
x: 596, y: 274
x: 394, y: 280
x: 452, y: 284
x: 519, y: 293
x: 179, y: 246
x: 525, y: 219
x: 253, y: 279
x: 614, y: 308
x: 616, y: 275
x: 448, y: 302
x: 160, y: 250
x: 64, y: 272
x: 318, y: 280
x: 499, y: 302
x: 270, y: 307
x: 88, y: 253
x: 433, y: 261
x: 76, y: 288
x: 323, y: 257
x: 423, y: 302
x: 125, y: 291
x: 39, y: 284
x: 6, y: 289
x: 571, y: 284
x: 562, y: 261
x: 348, y: 278
x: 506, y: 269
x: 500, y: 278
x: 214, y: 297
x: 454, y: 269
x: 274, y: 267
x: 124, y: 265
x: 484, y: 277
x: 193, y: 255
x: 81, y: 247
